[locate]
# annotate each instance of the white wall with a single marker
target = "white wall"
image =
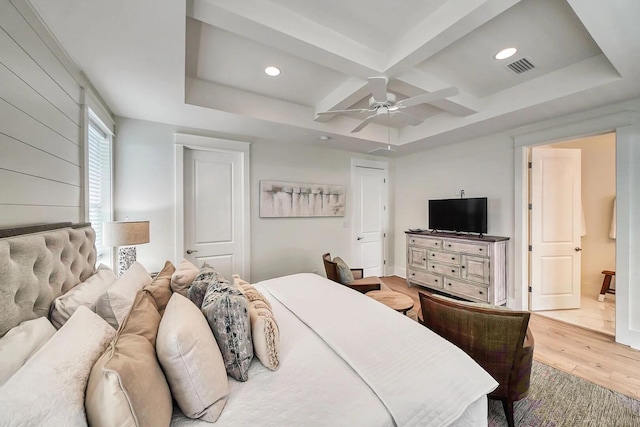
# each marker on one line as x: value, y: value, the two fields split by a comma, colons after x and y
x: 598, y: 154
x: 144, y: 189
x: 481, y: 167
x: 40, y: 125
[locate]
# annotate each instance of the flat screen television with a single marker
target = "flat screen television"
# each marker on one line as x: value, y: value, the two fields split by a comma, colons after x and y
x: 459, y: 215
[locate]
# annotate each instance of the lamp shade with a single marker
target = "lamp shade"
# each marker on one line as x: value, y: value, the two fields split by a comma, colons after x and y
x: 126, y: 233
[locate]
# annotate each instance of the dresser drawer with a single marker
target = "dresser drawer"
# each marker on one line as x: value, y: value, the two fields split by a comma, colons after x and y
x: 467, y: 248
x: 449, y: 270
x: 467, y: 290
x: 425, y: 242
x: 447, y: 257
x: 432, y: 280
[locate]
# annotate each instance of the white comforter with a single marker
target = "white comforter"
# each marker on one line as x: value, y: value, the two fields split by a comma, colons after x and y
x: 347, y: 360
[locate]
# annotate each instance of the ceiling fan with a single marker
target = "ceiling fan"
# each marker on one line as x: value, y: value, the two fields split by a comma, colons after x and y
x: 384, y: 103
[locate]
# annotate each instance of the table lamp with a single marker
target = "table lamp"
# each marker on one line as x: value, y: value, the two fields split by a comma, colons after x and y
x: 124, y: 235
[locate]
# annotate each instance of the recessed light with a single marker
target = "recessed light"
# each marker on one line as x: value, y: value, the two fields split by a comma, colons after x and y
x: 506, y: 53
x: 324, y: 137
x: 272, y: 71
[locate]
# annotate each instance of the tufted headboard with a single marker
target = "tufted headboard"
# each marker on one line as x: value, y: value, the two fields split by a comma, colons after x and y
x: 37, y: 264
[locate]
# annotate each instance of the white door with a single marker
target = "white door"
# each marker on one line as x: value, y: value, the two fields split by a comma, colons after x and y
x: 555, y: 228
x: 213, y: 210
x: 369, y: 219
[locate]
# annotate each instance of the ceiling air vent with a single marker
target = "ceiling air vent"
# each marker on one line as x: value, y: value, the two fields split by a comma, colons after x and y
x: 521, y: 65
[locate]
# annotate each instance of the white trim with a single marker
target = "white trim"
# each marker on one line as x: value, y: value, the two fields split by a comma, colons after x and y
x: 384, y: 166
x: 204, y: 143
x: 99, y: 111
x: 627, y: 131
x: 628, y: 226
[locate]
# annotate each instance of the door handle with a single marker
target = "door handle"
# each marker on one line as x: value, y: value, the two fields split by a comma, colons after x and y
x: 360, y: 238
x: 190, y: 251
x: 577, y: 249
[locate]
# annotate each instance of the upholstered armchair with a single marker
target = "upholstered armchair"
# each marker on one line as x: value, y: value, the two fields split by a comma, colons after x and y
x: 498, y: 339
x: 339, y: 272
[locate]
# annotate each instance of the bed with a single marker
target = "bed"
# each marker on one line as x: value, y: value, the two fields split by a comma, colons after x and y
x: 345, y: 359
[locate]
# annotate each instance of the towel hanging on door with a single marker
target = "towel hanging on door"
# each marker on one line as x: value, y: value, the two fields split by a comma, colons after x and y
x: 613, y: 231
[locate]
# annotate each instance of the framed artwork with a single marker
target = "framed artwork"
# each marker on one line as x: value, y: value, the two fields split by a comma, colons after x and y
x: 289, y: 199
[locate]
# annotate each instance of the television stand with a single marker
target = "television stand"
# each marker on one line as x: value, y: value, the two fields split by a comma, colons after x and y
x: 467, y: 266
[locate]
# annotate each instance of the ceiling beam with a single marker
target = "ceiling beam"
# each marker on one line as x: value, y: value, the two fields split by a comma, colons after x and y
x: 285, y: 30
x: 462, y: 104
x: 454, y: 20
x: 343, y: 97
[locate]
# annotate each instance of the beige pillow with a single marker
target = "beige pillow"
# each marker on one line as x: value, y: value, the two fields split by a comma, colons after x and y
x: 183, y: 276
x: 86, y: 293
x: 114, y: 305
x: 191, y: 360
x: 264, y: 328
x: 160, y: 288
x: 265, y: 334
x: 49, y: 388
x: 21, y: 342
x: 126, y: 386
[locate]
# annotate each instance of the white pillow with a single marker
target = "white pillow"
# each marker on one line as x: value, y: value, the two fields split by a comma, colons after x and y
x: 20, y: 343
x: 114, y: 305
x: 86, y: 293
x: 49, y: 388
x: 191, y: 360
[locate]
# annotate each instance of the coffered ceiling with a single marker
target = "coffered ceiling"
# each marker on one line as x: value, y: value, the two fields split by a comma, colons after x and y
x: 201, y: 63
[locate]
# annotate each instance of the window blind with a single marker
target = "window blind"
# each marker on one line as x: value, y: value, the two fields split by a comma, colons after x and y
x: 99, y: 185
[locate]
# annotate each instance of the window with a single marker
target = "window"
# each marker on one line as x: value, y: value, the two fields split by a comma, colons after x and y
x: 99, y: 181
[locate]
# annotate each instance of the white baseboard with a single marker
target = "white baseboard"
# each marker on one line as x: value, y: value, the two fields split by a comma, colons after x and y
x: 400, y: 272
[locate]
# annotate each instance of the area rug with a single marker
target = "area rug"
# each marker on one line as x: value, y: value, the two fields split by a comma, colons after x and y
x: 559, y: 399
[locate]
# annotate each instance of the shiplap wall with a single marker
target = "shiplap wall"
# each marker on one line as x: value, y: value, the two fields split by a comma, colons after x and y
x: 40, y: 125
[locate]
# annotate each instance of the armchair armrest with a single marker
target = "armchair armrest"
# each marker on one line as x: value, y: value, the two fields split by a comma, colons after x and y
x: 358, y: 273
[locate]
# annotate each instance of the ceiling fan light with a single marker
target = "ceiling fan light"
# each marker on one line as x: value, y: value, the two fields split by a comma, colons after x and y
x: 272, y: 71
x: 506, y: 53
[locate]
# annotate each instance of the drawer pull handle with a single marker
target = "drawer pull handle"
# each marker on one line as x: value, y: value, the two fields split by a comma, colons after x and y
x: 453, y: 258
x: 433, y: 254
x: 436, y: 280
x: 480, y: 249
x: 453, y: 271
x: 480, y: 292
x: 449, y: 284
x: 463, y: 266
x: 424, y: 259
x: 413, y: 274
x: 449, y: 245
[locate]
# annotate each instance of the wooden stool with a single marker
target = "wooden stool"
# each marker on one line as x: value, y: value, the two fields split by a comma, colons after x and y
x: 608, y: 274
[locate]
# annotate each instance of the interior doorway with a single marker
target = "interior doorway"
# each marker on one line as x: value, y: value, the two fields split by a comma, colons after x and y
x: 598, y: 232
x: 370, y: 221
x: 212, y: 203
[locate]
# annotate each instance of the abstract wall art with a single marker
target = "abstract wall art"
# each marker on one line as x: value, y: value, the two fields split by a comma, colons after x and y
x: 288, y: 199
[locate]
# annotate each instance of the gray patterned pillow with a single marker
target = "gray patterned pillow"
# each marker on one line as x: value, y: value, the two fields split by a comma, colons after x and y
x: 227, y: 311
x: 344, y: 272
x: 198, y: 287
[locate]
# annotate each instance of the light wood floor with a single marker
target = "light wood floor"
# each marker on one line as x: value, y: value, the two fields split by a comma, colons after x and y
x: 591, y: 355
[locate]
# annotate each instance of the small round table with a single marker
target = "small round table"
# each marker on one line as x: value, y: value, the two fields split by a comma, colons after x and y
x: 395, y: 300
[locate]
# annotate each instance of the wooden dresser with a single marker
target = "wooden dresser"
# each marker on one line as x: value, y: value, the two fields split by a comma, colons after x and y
x: 470, y: 267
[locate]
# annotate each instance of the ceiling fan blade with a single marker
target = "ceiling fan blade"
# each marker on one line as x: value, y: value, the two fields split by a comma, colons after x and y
x: 355, y: 110
x: 378, y: 86
x: 428, y: 97
x: 364, y: 123
x: 412, y: 120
